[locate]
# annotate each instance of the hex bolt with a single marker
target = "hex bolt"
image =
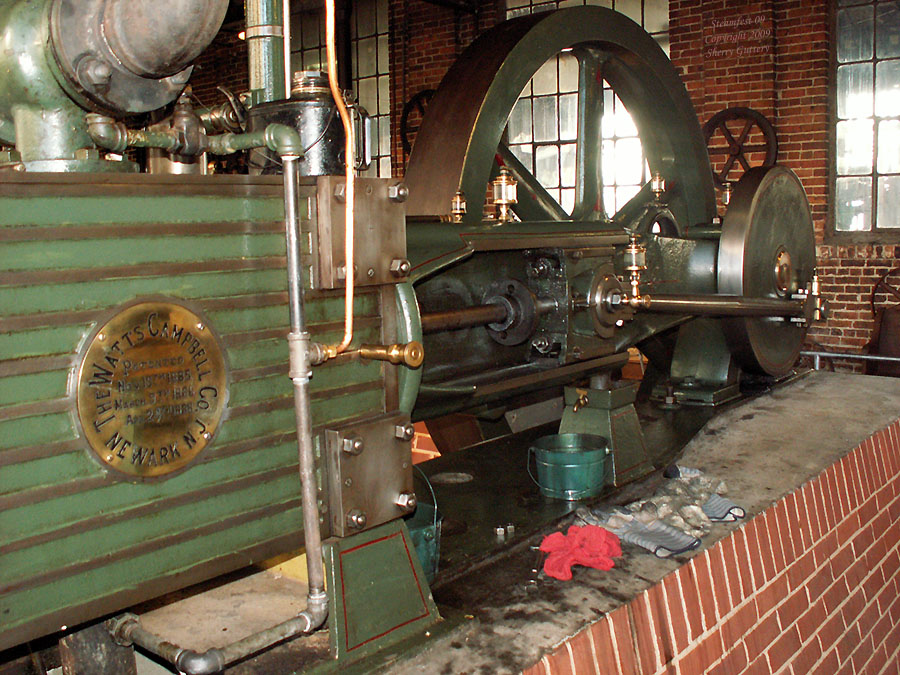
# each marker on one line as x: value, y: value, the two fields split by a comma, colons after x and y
x: 356, y: 519
x: 342, y: 271
x: 398, y: 192
x: 353, y: 445
x: 405, y: 432
x: 400, y: 267
x: 95, y: 73
x: 407, y: 501
x: 340, y: 191
x: 541, y: 268
x: 542, y: 344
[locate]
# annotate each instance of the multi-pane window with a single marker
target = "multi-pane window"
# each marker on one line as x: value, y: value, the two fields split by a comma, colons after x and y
x: 370, y: 67
x: 543, y: 126
x: 867, y: 131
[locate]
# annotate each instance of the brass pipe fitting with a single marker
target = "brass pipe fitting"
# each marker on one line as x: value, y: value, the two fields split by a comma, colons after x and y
x: 410, y: 354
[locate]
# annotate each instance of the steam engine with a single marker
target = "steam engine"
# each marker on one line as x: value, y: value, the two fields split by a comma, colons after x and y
x: 167, y: 339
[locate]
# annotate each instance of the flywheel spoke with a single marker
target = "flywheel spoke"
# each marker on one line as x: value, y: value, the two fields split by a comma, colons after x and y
x: 723, y: 174
x: 632, y: 209
x: 535, y: 203
x: 745, y: 133
x: 732, y: 143
x: 588, y: 172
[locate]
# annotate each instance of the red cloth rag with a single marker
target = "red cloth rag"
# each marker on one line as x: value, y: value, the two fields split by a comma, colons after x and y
x: 590, y: 546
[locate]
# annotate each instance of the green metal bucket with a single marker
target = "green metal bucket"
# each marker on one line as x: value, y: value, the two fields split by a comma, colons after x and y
x: 571, y: 466
x: 425, y: 530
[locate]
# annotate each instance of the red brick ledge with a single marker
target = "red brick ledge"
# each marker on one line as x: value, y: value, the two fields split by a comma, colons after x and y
x: 810, y: 585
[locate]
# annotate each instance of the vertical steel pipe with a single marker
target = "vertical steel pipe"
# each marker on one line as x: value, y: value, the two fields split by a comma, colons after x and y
x: 265, y: 50
x: 288, y: 68
x: 298, y: 340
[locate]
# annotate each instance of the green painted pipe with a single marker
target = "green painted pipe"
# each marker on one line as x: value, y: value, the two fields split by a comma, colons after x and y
x: 112, y: 135
x: 279, y: 138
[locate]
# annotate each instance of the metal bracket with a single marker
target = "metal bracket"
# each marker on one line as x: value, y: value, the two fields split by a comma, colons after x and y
x: 370, y: 473
x: 379, y: 233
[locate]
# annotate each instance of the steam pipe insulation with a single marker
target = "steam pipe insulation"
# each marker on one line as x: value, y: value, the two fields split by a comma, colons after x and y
x: 158, y: 38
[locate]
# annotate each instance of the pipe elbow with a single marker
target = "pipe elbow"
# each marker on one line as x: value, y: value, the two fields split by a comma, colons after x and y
x: 209, y: 662
x: 316, y: 610
x: 106, y: 133
x: 284, y: 140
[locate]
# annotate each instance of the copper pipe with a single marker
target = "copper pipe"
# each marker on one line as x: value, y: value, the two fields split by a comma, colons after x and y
x: 349, y: 145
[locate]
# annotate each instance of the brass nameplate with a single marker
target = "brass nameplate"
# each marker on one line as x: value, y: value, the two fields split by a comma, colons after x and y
x: 151, y: 389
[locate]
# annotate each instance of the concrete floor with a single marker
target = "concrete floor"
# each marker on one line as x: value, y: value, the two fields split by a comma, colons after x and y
x: 503, y: 616
x: 763, y: 448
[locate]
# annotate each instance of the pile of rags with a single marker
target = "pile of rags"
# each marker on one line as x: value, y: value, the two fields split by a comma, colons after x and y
x: 674, y: 519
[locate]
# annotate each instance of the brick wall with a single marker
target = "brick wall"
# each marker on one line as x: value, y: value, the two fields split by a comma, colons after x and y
x: 225, y: 64
x: 848, y: 274
x: 811, y: 585
x: 771, y: 56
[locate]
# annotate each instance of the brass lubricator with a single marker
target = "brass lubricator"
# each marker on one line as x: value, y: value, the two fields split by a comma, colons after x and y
x: 458, y: 207
x: 580, y: 402
x: 410, y: 354
x: 635, y: 263
x: 658, y: 186
x: 504, y: 194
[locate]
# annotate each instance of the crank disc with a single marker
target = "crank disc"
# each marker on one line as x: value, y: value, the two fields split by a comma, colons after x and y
x: 767, y: 250
x: 461, y: 135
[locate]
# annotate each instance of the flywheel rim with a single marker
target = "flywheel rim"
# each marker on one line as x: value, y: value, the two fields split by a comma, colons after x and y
x: 457, y: 141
